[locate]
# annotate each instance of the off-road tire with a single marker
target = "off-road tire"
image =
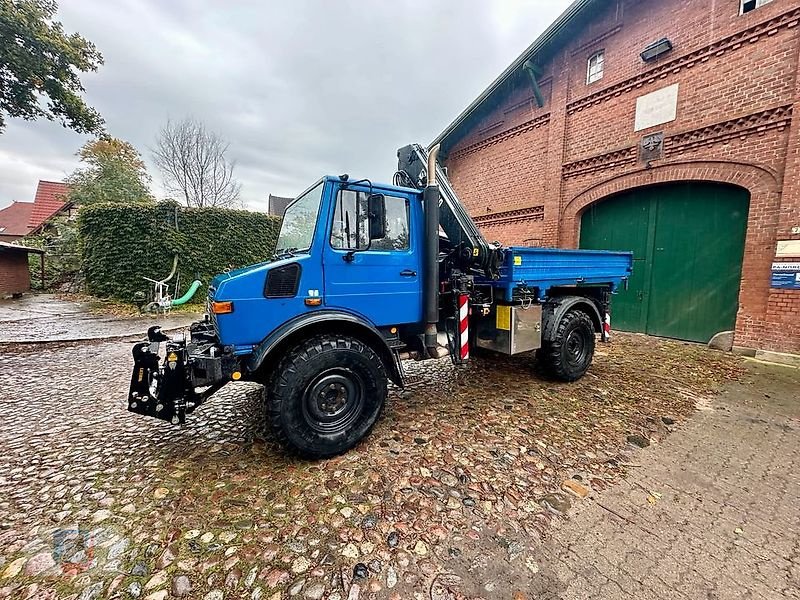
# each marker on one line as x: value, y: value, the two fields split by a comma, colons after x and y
x: 318, y: 369
x: 569, y: 354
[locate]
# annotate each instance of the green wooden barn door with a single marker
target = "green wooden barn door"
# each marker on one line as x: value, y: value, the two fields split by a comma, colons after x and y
x: 688, y: 243
x: 623, y: 223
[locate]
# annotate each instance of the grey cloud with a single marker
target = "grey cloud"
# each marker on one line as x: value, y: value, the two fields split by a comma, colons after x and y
x: 300, y: 89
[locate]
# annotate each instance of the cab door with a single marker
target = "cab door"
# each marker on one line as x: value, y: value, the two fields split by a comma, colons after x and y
x: 376, y: 276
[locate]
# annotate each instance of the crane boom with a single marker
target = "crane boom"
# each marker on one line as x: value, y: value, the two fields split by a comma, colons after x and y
x: 474, y: 251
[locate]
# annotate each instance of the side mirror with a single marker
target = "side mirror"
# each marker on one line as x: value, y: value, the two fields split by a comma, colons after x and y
x: 376, y: 207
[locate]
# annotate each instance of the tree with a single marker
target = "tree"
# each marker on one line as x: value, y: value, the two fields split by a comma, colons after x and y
x: 193, y: 163
x: 114, y: 172
x: 39, y: 60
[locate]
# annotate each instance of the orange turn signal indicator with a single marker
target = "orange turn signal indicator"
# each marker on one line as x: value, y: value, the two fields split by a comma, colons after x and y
x: 313, y: 301
x: 222, y: 308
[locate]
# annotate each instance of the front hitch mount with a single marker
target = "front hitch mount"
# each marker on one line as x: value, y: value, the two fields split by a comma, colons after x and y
x: 161, y: 389
x: 167, y: 388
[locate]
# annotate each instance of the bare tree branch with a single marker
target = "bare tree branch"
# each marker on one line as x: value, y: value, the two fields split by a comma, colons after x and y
x: 193, y: 163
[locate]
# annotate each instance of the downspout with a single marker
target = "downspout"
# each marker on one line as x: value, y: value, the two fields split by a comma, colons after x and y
x: 531, y: 69
x: 430, y: 198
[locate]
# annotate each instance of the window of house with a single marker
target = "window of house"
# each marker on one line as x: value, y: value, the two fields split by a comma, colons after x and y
x: 351, y: 223
x: 594, y: 70
x: 748, y: 5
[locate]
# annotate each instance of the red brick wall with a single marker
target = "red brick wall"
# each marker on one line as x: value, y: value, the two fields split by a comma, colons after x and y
x: 493, y: 173
x: 528, y: 173
x: 14, y: 274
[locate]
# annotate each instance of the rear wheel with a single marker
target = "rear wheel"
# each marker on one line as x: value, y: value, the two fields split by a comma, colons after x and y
x: 569, y: 354
x: 326, y: 395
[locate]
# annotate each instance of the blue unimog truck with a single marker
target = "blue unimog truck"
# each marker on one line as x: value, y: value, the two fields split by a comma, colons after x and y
x: 366, y: 275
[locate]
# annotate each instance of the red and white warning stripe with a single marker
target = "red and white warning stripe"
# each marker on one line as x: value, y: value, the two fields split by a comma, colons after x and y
x: 463, y: 317
x: 606, y: 337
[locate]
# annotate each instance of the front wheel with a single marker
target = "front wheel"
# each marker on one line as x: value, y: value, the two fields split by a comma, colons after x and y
x: 326, y: 395
x: 569, y: 354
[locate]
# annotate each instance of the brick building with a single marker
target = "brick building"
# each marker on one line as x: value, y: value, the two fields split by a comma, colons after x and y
x: 22, y: 218
x: 15, y: 221
x: 665, y: 128
x: 15, y: 276
x: 51, y: 199
x: 276, y: 205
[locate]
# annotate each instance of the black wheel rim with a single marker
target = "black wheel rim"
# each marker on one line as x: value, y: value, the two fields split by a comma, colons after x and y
x: 577, y: 347
x: 333, y: 401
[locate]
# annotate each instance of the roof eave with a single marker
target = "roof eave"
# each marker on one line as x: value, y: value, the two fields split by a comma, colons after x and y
x: 38, y: 228
x: 530, y: 52
x: 19, y: 248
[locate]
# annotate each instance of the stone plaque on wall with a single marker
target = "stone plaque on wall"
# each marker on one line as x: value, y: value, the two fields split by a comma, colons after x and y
x: 651, y: 147
x: 657, y: 108
x: 788, y: 248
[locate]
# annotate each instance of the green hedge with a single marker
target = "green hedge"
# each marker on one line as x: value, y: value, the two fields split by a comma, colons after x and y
x: 122, y: 243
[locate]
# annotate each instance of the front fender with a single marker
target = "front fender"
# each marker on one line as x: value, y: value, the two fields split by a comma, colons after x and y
x: 321, y: 321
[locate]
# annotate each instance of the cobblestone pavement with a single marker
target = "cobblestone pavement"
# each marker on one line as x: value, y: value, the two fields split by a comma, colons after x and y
x: 454, y: 495
x: 46, y: 317
x: 712, y: 512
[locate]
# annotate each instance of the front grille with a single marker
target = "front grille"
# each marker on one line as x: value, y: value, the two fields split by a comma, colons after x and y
x: 282, y: 282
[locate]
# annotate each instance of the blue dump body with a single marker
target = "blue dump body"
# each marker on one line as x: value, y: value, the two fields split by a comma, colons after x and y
x: 545, y: 268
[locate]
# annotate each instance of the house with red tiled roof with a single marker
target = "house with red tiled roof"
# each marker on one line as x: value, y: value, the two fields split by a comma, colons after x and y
x: 15, y: 221
x: 50, y: 199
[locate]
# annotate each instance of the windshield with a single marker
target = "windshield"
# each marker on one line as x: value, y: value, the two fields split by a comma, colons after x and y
x: 299, y: 221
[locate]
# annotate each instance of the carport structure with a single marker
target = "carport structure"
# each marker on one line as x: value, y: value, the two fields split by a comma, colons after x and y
x: 15, y: 276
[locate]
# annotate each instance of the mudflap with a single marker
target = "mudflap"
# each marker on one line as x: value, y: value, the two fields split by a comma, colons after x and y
x: 161, y: 390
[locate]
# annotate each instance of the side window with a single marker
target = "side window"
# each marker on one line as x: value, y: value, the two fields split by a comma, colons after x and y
x: 350, y: 221
x: 396, y: 226
x: 350, y: 230
x: 594, y: 68
x: 748, y: 5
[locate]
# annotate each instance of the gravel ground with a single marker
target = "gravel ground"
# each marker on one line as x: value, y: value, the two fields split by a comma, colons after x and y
x: 452, y: 496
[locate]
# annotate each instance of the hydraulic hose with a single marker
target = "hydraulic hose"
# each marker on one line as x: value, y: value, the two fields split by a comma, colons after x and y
x: 171, y: 273
x: 189, y: 293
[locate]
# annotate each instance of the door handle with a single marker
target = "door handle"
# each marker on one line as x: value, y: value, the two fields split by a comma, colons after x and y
x: 408, y: 273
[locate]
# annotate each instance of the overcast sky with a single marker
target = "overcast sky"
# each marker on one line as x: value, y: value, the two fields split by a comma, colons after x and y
x: 300, y: 89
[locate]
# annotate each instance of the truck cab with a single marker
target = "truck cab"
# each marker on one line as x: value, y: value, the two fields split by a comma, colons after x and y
x: 365, y: 276
x: 330, y: 257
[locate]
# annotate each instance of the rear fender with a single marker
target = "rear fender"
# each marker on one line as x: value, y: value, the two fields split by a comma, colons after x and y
x: 323, y: 321
x: 563, y: 305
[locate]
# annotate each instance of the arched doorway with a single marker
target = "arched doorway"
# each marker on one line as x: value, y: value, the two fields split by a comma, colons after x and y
x: 688, y: 243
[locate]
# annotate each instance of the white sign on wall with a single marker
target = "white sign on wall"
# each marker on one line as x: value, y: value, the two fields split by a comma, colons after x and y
x: 781, y: 266
x: 656, y: 108
x: 788, y: 248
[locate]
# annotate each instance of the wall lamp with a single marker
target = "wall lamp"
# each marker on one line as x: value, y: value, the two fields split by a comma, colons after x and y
x: 656, y: 49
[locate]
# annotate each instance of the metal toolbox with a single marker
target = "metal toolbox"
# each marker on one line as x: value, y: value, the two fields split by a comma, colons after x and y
x: 510, y: 329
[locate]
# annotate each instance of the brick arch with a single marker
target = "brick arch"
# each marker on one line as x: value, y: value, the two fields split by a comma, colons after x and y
x: 762, y: 184
x: 762, y: 224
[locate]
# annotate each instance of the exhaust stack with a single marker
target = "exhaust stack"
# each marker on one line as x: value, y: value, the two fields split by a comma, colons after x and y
x: 431, y: 205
